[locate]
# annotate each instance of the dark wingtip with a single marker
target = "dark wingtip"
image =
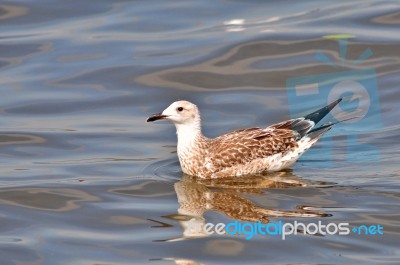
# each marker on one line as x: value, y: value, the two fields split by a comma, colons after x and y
x: 318, y: 115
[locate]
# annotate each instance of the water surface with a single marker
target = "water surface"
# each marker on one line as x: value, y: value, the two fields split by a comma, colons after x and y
x: 84, y: 180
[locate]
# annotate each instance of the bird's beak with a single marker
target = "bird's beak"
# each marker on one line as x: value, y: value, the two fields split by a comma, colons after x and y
x: 158, y: 116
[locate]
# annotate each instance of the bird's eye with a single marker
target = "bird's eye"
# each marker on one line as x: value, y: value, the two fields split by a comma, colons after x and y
x: 179, y: 109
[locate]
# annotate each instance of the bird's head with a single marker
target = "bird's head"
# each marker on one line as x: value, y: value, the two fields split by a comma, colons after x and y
x: 180, y: 113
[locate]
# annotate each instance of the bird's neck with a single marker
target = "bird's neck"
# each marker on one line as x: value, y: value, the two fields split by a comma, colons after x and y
x: 189, y: 135
x: 192, y: 145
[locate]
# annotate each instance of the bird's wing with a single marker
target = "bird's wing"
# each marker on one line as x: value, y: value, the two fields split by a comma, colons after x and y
x: 306, y: 125
x: 242, y: 146
x: 299, y: 125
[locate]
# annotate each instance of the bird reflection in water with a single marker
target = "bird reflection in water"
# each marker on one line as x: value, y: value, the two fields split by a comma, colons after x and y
x: 227, y: 196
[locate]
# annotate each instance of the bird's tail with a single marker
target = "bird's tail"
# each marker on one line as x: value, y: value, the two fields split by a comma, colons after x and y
x: 318, y: 132
x: 318, y: 115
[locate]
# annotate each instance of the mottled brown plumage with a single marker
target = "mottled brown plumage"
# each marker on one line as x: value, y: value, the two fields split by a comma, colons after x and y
x: 240, y: 152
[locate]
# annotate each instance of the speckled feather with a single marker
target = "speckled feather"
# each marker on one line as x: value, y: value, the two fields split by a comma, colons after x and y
x: 240, y: 152
x: 243, y: 146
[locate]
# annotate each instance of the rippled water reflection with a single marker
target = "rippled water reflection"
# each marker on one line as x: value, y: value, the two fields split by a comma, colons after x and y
x: 84, y: 180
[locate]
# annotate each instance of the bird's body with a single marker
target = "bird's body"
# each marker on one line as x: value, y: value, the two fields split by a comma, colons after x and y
x: 241, y: 152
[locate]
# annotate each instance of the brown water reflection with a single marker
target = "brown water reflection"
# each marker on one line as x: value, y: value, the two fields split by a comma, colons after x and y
x: 228, y: 197
x: 14, y: 139
x: 47, y: 199
x: 238, y: 67
x: 392, y: 18
x: 11, y: 11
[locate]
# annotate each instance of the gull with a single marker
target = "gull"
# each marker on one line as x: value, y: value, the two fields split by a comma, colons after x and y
x: 245, y: 151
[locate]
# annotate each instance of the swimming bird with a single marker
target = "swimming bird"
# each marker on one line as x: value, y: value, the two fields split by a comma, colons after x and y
x: 244, y: 151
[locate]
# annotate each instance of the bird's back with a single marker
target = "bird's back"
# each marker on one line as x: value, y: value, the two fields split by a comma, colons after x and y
x: 243, y: 151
